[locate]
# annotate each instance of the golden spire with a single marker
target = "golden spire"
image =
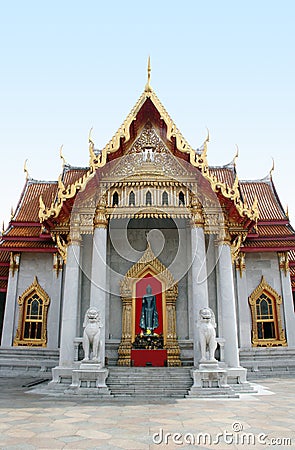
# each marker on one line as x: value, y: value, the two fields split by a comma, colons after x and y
x: 272, y: 168
x: 89, y: 137
x: 287, y: 212
x: 11, y: 213
x: 148, y: 86
x: 26, y: 169
x: 208, y: 135
x: 62, y: 156
x: 91, y: 147
x: 236, y: 155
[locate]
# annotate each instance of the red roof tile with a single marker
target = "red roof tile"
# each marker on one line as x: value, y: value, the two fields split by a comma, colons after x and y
x: 269, y: 244
x: 275, y: 230
x: 4, y: 257
x: 71, y: 175
x: 223, y: 174
x: 27, y: 244
x: 3, y: 285
x: 28, y: 207
x: 268, y: 203
x: 4, y: 271
x: 24, y: 231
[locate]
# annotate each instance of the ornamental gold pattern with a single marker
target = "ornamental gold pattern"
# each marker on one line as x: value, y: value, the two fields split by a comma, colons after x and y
x: 98, y: 160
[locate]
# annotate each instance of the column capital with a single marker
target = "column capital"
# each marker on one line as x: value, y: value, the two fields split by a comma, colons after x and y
x: 197, y: 219
x: 100, y: 220
x: 75, y: 237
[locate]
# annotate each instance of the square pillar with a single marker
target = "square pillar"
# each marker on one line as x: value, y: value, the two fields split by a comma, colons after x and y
x: 199, y: 282
x: 98, y: 289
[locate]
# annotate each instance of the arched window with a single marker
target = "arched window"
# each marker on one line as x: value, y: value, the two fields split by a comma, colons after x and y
x: 165, y: 198
x: 131, y: 199
x: 266, y: 316
x: 115, y: 199
x: 32, y: 322
x: 148, y: 198
x: 181, y: 198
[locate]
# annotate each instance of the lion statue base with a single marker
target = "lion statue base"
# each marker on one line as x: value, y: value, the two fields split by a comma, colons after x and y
x: 207, y: 335
x: 91, y: 336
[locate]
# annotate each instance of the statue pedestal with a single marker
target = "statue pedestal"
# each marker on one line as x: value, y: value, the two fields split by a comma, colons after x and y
x: 89, y: 379
x: 210, y: 381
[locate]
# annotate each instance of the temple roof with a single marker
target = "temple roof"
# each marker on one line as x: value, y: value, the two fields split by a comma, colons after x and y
x: 270, y: 207
x: 41, y: 201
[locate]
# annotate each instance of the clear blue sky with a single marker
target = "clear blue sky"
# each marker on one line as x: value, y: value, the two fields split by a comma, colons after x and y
x: 69, y: 65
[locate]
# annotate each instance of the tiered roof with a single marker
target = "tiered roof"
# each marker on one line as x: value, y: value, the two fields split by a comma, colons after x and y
x: 46, y: 201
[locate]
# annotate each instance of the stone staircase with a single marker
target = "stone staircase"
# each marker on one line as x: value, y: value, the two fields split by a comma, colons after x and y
x: 35, y: 362
x: 149, y: 382
x: 268, y: 362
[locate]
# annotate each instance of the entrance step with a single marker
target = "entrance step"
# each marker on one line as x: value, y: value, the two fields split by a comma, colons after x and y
x: 151, y: 382
x: 36, y: 362
x: 268, y: 362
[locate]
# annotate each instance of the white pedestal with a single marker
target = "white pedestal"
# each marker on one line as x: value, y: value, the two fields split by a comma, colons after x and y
x: 89, y: 379
x: 210, y: 381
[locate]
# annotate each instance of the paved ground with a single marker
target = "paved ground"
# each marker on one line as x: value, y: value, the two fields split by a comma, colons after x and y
x: 34, y: 421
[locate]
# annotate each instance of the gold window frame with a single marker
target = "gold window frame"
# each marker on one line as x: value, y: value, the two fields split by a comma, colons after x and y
x: 20, y: 340
x: 276, y: 299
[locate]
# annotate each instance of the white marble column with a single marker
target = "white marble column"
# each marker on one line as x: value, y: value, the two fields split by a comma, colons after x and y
x: 199, y: 282
x: 226, y: 297
x: 98, y: 289
x: 11, y: 302
x: 289, y: 314
x: 244, y: 312
x: 70, y: 305
x: 53, y: 321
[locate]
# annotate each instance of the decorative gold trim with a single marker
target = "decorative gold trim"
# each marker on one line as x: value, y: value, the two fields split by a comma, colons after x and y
x: 265, y: 288
x: 57, y: 263
x: 61, y: 245
x: 284, y: 262
x: 240, y: 263
x: 19, y: 339
x: 199, y: 160
x: 14, y: 262
x: 149, y: 264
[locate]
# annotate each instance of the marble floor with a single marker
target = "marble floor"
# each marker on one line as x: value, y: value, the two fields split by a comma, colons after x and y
x: 256, y: 421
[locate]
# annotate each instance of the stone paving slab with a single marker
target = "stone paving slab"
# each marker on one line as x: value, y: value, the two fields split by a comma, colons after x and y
x: 31, y: 420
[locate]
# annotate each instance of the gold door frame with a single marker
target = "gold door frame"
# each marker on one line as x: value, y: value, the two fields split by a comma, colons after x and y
x: 149, y: 264
x: 149, y: 271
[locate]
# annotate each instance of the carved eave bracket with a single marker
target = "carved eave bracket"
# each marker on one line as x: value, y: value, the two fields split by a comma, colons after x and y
x: 14, y: 262
x: 284, y: 262
x: 240, y: 263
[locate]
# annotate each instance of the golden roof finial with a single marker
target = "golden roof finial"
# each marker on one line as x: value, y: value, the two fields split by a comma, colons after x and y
x: 3, y: 227
x: 26, y: 169
x: 208, y: 135
x: 62, y: 156
x: 287, y: 212
x: 91, y: 147
x: 236, y: 155
x: 148, y: 86
x: 272, y: 168
x: 11, y: 213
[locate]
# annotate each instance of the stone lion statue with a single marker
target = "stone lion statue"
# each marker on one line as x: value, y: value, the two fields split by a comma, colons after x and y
x: 207, y: 334
x: 91, y: 336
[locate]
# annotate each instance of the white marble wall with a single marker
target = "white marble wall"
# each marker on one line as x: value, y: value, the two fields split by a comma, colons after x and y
x: 41, y: 265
